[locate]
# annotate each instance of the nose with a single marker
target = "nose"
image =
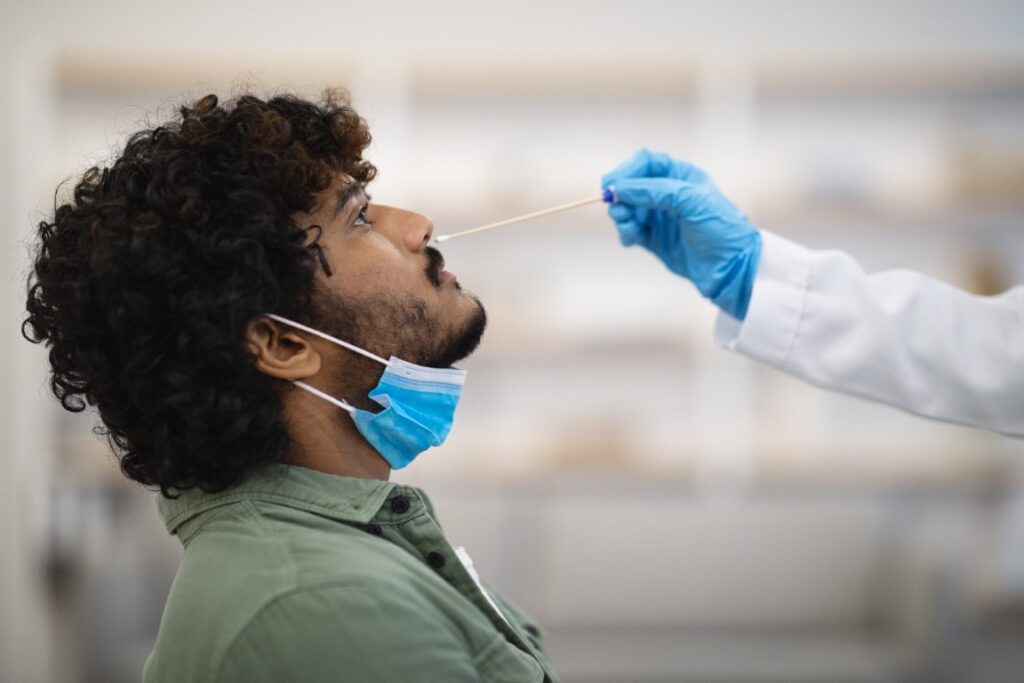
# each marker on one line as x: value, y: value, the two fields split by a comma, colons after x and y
x: 405, y: 229
x: 419, y: 232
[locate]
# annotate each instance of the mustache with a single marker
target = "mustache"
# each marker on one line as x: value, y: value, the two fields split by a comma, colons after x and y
x: 435, y: 264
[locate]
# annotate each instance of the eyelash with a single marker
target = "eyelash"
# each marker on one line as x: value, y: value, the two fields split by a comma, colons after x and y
x: 362, y: 216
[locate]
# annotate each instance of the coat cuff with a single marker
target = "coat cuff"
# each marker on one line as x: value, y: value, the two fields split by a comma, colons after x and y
x: 776, y: 307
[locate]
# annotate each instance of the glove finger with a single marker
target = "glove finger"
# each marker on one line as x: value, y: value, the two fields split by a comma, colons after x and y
x: 648, y: 163
x: 620, y: 213
x: 631, y: 168
x: 684, y: 170
x: 662, y: 165
x: 629, y: 233
x: 641, y: 216
x: 677, y: 197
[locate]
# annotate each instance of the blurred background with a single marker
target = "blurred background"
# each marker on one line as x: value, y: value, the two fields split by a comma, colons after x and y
x: 761, y: 530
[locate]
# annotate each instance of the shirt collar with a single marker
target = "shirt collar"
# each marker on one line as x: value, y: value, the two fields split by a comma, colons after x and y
x: 346, y: 499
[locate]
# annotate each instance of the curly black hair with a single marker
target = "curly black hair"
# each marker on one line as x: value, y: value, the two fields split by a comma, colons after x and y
x: 143, y: 282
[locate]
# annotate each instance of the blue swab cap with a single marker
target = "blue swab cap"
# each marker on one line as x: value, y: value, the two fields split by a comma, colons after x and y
x: 608, y: 196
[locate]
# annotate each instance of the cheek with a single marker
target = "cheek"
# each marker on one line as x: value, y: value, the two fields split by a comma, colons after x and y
x: 373, y: 268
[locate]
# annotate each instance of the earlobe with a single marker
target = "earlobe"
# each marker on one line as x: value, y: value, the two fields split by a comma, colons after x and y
x: 280, y: 353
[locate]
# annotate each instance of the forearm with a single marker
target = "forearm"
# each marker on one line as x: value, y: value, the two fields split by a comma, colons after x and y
x: 897, y: 337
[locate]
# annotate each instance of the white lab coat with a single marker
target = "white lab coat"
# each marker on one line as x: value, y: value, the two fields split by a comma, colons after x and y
x: 896, y: 337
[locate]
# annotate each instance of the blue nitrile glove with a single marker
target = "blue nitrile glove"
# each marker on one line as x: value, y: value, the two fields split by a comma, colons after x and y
x: 675, y: 211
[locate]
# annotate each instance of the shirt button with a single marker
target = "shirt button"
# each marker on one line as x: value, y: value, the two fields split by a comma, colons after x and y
x: 374, y: 529
x: 400, y: 505
x: 435, y: 560
x: 532, y: 630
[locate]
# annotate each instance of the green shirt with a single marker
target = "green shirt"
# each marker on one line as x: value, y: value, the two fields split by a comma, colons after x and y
x: 295, y: 575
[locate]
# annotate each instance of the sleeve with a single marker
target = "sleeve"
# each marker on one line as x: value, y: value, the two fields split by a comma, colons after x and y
x: 346, y: 633
x: 897, y: 337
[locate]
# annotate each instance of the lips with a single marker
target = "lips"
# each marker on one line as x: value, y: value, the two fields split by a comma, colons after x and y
x: 444, y: 277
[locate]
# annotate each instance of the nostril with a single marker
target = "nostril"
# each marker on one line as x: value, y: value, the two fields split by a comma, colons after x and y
x: 428, y: 230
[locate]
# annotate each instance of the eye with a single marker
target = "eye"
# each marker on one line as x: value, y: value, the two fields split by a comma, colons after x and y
x: 361, y: 218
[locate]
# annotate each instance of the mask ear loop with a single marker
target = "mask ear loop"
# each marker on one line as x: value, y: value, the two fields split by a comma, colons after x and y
x: 323, y: 335
x: 327, y: 397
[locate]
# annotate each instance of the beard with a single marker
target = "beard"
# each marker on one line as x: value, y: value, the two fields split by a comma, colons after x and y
x: 402, y: 327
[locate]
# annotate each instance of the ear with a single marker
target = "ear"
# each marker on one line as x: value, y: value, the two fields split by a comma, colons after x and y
x: 280, y: 352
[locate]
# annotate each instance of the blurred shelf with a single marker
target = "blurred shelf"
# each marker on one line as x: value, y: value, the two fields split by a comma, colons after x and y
x: 98, y: 72
x: 887, y: 219
x: 646, y: 653
x: 810, y: 469
x: 781, y: 79
x: 665, y: 74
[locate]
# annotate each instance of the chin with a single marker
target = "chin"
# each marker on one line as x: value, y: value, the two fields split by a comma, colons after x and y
x: 464, y: 340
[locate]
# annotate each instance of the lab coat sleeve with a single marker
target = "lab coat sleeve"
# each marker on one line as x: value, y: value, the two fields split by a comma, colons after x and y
x: 896, y: 337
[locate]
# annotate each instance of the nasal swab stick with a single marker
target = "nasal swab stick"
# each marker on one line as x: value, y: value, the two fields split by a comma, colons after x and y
x: 608, y: 196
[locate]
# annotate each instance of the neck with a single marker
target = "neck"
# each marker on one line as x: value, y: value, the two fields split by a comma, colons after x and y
x: 324, y: 438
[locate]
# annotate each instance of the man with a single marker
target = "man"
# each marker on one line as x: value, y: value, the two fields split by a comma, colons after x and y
x: 224, y: 295
x: 896, y: 337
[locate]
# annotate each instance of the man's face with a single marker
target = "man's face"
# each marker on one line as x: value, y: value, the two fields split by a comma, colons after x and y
x: 382, y: 287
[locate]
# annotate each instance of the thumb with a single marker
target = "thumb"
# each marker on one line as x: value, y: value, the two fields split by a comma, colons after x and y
x: 661, y: 194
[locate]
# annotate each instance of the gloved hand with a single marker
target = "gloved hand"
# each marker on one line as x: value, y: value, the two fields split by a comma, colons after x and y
x: 674, y: 210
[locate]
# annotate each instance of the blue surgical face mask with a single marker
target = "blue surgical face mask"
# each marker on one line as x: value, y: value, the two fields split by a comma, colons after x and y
x: 419, y: 403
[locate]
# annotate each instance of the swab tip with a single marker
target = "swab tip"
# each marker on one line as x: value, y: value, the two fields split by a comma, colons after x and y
x: 442, y: 238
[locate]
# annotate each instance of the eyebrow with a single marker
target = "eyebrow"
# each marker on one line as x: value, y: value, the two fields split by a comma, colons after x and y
x: 345, y: 195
